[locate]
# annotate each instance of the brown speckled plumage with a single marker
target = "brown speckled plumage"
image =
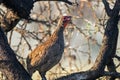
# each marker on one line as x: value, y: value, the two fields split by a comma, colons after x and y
x: 48, y: 54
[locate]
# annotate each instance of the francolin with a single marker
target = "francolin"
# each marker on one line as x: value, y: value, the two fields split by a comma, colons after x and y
x: 49, y: 53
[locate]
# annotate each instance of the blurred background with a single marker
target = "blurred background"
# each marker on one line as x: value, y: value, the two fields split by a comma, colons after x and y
x: 82, y: 40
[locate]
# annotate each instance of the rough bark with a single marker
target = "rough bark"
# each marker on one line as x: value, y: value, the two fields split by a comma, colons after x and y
x: 9, y: 65
x: 19, y: 9
x: 22, y: 7
x: 110, y: 40
x: 8, y: 20
x: 65, y: 1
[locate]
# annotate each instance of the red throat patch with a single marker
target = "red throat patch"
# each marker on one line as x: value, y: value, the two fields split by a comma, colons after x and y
x: 66, y: 20
x: 65, y: 24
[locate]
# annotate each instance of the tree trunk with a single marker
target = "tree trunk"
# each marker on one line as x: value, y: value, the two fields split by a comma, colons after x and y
x: 9, y: 65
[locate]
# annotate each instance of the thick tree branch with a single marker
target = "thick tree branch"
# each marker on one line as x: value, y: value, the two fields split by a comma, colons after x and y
x: 21, y: 7
x: 66, y: 1
x: 87, y: 75
x: 114, y: 11
x: 9, y: 64
x: 113, y: 22
x: 107, y: 8
x: 112, y: 74
x: 8, y: 20
x: 116, y: 56
x: 108, y: 49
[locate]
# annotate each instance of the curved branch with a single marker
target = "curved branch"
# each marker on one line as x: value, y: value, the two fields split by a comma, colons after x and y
x: 107, y: 8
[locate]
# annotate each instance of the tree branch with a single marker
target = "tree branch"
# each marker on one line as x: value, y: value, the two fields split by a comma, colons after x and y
x: 86, y: 75
x: 65, y: 1
x: 107, y: 8
x: 21, y: 7
x: 116, y: 56
x: 113, y: 74
x: 9, y: 65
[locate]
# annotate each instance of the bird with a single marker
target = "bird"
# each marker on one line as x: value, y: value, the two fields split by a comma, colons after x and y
x: 49, y: 53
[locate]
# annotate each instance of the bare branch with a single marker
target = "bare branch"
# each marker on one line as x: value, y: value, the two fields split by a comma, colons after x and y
x: 114, y: 11
x: 116, y: 56
x: 107, y: 8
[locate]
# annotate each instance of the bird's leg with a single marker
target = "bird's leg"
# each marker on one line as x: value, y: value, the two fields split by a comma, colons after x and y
x: 43, y: 76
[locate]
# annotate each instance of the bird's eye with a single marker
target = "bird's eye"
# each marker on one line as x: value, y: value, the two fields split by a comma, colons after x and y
x: 67, y: 18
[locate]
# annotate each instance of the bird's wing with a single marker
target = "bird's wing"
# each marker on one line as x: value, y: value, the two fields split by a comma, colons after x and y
x: 36, y: 55
x: 49, y: 53
x: 41, y: 53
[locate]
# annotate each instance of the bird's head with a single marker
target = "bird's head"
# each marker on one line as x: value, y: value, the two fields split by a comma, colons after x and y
x: 64, y: 20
